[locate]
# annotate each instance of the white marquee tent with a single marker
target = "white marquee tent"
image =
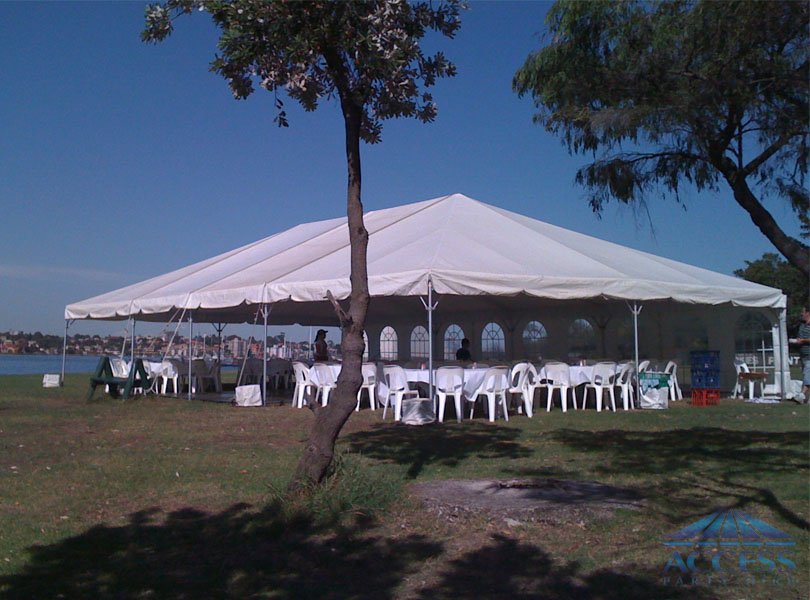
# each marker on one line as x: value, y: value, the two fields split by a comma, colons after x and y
x: 477, y: 256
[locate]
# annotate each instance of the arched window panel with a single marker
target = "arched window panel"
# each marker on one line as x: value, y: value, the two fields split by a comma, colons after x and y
x: 753, y: 340
x: 581, y: 340
x: 388, y: 343
x: 452, y: 341
x: 419, y: 342
x: 535, y: 339
x: 492, y: 342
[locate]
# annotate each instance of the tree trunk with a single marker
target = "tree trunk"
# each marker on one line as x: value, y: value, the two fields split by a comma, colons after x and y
x: 329, y: 420
x: 792, y: 249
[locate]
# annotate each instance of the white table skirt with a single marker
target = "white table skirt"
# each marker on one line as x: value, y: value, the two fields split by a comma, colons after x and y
x: 577, y: 374
x: 473, y: 378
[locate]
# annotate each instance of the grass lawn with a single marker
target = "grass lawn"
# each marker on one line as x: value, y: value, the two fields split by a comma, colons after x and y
x: 165, y: 498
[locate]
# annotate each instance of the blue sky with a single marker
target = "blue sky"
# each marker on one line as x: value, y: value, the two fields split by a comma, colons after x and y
x: 121, y: 160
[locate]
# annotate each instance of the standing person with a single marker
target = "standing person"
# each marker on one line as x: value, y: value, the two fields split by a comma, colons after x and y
x: 803, y: 340
x: 463, y: 353
x: 321, y: 349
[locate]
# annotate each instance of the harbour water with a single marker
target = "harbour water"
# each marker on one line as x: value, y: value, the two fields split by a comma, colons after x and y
x: 39, y: 364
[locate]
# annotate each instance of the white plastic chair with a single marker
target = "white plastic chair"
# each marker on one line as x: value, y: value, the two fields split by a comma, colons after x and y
x: 742, y: 367
x: 449, y: 382
x: 302, y: 383
x: 250, y: 371
x: 398, y: 388
x: 494, y: 386
x: 369, y: 371
x: 324, y: 381
x: 168, y: 372
x: 674, y: 388
x: 518, y: 379
x: 624, y: 381
x: 532, y: 384
x: 738, y: 367
x: 278, y: 372
x: 558, y: 378
x: 201, y: 373
x: 603, y: 380
x: 643, y: 366
x: 153, y: 372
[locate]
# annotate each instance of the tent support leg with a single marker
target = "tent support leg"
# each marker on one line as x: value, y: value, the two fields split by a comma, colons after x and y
x: 219, y: 327
x: 636, y: 310
x: 430, y: 306
x: 64, y: 350
x: 190, y: 350
x: 784, y: 364
x: 265, y: 312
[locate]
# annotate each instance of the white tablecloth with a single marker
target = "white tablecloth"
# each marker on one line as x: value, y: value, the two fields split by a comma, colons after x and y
x: 576, y: 374
x: 334, y: 368
x: 473, y: 378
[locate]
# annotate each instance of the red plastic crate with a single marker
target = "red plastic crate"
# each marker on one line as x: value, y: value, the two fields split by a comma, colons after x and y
x: 705, y: 397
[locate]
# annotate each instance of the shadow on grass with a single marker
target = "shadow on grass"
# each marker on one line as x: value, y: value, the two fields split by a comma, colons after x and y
x: 243, y: 554
x: 721, y: 462
x: 236, y: 553
x: 507, y: 568
x: 447, y: 444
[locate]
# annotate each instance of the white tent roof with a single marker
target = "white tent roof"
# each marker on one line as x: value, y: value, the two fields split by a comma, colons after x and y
x: 467, y: 247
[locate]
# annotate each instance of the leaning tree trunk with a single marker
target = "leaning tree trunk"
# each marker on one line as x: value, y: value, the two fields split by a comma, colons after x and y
x: 792, y: 249
x: 329, y: 420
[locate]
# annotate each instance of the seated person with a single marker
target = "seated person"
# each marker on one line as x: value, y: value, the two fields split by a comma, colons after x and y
x: 463, y: 353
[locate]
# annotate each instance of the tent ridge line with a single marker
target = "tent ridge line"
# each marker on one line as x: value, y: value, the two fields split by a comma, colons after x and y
x: 509, y: 215
x: 348, y: 242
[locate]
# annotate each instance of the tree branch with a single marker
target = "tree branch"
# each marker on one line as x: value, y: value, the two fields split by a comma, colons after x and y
x: 343, y: 316
x: 767, y: 153
x: 638, y: 158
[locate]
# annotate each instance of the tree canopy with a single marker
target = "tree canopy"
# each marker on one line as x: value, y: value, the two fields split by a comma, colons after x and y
x: 317, y: 50
x: 664, y: 94
x: 367, y: 56
x: 772, y: 271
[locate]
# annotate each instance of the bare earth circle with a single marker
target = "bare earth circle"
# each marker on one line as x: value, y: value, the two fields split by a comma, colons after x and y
x: 544, y: 500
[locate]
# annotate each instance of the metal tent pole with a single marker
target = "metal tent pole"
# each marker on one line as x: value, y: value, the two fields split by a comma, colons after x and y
x: 64, y: 350
x: 784, y: 365
x: 190, y: 353
x: 636, y: 309
x: 430, y: 306
x: 264, y: 357
x: 132, y: 346
x: 219, y: 328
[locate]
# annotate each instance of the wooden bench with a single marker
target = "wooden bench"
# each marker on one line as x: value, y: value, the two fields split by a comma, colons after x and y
x: 103, y: 375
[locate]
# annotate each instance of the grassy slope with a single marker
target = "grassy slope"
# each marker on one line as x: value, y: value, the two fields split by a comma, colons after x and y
x: 170, y: 499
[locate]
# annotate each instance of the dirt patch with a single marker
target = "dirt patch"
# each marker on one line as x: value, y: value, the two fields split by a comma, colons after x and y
x: 536, y: 500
